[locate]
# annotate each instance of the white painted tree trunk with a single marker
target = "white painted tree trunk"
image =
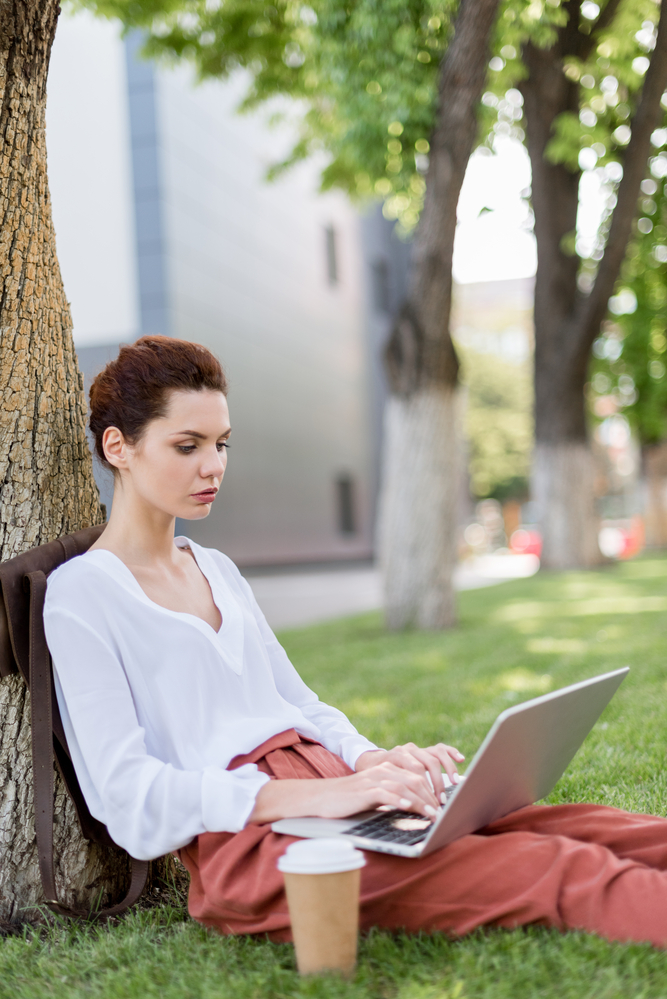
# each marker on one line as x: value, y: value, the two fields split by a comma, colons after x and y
x: 655, y: 505
x: 418, y: 511
x: 562, y: 485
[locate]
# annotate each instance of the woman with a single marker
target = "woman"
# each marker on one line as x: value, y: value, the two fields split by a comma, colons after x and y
x: 190, y: 730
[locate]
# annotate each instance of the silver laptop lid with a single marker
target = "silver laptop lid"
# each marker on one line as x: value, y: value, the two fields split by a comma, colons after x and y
x: 526, y: 752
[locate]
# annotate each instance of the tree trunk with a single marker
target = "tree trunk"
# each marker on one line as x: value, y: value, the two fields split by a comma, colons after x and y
x: 562, y: 483
x: 567, y: 320
x: 45, y: 464
x: 420, y: 464
x: 654, y: 462
x: 418, y: 509
x: 562, y: 475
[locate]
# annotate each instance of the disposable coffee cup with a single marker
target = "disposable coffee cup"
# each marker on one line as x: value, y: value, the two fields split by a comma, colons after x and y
x: 322, y: 878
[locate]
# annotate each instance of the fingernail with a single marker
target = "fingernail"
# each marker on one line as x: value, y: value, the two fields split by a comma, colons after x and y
x: 429, y: 810
x: 455, y: 778
x: 405, y: 802
x: 446, y: 780
x: 443, y: 798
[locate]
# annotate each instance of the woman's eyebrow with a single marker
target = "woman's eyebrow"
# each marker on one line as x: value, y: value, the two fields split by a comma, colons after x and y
x: 195, y: 433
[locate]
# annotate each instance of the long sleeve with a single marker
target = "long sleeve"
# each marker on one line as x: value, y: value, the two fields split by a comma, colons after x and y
x: 156, y: 704
x: 149, y: 806
x: 337, y: 733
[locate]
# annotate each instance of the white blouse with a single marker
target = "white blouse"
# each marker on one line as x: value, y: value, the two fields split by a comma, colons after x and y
x: 155, y: 704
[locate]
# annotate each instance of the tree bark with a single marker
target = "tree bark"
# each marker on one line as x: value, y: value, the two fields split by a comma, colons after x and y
x: 566, y: 320
x: 418, y: 510
x: 46, y: 479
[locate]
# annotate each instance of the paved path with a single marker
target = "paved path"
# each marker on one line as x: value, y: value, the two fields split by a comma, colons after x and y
x: 295, y: 599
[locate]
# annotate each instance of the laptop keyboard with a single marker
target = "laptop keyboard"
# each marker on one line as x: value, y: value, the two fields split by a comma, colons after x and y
x: 396, y: 826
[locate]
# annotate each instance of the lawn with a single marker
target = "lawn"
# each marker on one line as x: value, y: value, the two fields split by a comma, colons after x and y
x: 513, y: 641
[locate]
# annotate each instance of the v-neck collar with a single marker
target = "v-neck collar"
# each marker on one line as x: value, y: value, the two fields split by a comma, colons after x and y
x: 229, y: 639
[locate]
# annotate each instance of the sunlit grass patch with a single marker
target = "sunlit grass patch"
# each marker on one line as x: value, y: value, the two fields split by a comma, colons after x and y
x: 428, y: 687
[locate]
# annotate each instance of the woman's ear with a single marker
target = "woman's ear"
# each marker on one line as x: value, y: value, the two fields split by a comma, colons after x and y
x: 114, y: 447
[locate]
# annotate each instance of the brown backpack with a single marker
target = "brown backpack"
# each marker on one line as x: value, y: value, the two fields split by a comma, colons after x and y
x: 23, y: 649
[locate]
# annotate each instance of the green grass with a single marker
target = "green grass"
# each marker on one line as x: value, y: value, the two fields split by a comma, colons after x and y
x: 513, y: 641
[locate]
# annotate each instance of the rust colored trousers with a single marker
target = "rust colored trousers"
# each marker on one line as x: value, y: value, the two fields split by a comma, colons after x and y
x: 584, y: 867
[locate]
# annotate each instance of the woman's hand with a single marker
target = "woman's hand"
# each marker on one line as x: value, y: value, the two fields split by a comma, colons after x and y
x: 431, y: 761
x: 381, y: 783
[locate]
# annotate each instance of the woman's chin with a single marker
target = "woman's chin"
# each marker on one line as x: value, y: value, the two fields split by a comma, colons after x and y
x: 199, y: 512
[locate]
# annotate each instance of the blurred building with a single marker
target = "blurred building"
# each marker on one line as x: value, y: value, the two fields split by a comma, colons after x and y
x: 165, y: 224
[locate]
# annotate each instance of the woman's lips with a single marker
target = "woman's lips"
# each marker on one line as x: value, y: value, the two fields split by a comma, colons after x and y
x: 207, y: 496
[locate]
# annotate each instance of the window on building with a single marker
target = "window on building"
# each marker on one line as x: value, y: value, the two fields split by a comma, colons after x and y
x: 380, y: 279
x: 332, y: 257
x: 346, y: 505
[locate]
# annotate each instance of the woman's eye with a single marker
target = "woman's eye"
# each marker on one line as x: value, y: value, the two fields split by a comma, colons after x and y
x: 186, y: 448
x: 222, y: 444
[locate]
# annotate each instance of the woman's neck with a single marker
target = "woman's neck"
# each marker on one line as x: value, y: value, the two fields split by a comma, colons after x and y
x: 137, y: 532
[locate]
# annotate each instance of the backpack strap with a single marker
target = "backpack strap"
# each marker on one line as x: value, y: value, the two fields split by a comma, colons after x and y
x: 42, y: 763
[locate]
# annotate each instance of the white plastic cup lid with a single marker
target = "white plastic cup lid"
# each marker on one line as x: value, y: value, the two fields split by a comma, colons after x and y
x: 320, y: 856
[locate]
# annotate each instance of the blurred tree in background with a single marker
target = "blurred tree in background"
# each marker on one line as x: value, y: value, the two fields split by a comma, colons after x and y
x: 628, y: 371
x: 588, y: 79
x: 498, y: 425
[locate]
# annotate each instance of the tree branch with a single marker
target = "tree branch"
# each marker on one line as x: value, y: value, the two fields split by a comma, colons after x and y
x: 572, y: 41
x: 588, y: 42
x: 569, y: 36
x: 646, y: 119
x: 421, y: 340
x: 606, y: 17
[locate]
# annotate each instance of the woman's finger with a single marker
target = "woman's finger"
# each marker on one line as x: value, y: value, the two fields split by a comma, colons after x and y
x: 432, y: 764
x: 447, y: 760
x: 406, y: 757
x: 387, y: 798
x: 419, y: 760
x: 408, y: 799
x: 414, y: 784
x: 432, y: 760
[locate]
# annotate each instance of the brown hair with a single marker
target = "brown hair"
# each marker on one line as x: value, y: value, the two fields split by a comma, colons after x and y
x: 132, y: 390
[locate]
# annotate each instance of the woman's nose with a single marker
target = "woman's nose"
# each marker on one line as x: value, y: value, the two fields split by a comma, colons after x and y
x: 214, y: 465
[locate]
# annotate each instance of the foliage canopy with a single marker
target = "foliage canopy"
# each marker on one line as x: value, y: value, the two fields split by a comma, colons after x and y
x: 365, y: 75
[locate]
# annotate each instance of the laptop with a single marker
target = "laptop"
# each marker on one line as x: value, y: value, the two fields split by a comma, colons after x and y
x: 523, y: 756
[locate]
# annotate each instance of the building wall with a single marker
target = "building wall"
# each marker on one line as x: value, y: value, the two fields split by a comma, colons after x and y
x: 386, y: 259
x: 90, y: 177
x: 216, y: 255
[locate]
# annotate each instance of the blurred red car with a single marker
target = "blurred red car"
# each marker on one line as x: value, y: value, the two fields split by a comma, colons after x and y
x: 526, y: 541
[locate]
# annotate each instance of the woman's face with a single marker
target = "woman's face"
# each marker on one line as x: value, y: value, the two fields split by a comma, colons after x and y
x: 178, y: 465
